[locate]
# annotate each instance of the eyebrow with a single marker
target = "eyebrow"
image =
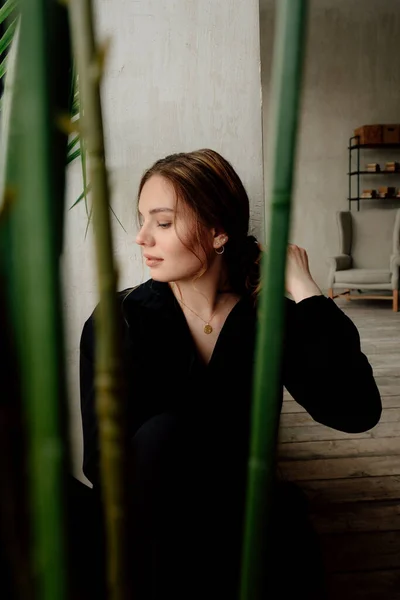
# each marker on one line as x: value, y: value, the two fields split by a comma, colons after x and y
x: 154, y: 211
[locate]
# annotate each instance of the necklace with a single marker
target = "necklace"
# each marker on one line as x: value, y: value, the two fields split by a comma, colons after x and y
x: 207, y: 327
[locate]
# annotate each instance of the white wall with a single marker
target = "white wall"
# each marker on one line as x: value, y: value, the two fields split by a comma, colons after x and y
x: 351, y: 78
x: 181, y: 75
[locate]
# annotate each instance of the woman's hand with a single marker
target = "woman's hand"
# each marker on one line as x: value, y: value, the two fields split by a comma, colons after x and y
x: 299, y: 282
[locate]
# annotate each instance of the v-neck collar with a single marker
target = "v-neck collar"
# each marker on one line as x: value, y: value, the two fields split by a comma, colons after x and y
x: 166, y: 292
x: 158, y: 296
x: 221, y: 335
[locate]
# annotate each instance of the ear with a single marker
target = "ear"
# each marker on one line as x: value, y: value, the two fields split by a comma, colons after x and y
x: 219, y: 238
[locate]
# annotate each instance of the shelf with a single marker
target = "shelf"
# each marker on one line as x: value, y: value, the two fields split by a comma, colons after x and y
x: 357, y: 166
x: 376, y: 198
x: 375, y: 147
x: 374, y: 173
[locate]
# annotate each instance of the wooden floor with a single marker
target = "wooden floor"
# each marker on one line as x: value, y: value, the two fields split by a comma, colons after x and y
x: 353, y: 480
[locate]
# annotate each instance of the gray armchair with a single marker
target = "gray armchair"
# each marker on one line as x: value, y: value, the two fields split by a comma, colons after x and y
x: 369, y: 256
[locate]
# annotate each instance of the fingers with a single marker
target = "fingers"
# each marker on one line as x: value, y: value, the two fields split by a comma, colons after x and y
x: 294, y: 249
x: 298, y: 255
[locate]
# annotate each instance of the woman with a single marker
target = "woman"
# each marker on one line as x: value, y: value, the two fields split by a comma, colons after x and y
x: 189, y: 339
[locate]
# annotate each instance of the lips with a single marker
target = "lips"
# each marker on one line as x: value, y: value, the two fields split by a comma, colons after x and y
x: 149, y: 257
x: 152, y: 261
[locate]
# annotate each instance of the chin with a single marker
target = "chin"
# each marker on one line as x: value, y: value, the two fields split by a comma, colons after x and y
x: 170, y: 277
x: 159, y: 276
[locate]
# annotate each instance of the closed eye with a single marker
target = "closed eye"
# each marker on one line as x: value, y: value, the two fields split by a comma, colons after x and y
x: 164, y: 225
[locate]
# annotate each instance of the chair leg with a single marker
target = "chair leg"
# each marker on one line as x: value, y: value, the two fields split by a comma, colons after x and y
x: 395, y: 300
x: 331, y: 294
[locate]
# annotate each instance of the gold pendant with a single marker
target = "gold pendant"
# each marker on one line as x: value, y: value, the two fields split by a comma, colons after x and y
x: 207, y: 328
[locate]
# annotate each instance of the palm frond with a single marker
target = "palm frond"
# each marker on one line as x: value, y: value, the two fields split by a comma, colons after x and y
x: 75, y: 105
x: 6, y: 114
x: 81, y: 197
x: 7, y: 9
x: 84, y: 179
x: 73, y: 155
x: 3, y: 67
x: 7, y: 38
x: 5, y: 12
x: 90, y: 214
x: 112, y: 210
x: 72, y: 143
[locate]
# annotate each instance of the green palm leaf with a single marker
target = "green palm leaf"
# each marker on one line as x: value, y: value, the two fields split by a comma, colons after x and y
x: 73, y: 153
x: 72, y: 143
x: 81, y: 197
x: 3, y: 68
x: 7, y: 9
x: 6, y: 116
x: 7, y: 38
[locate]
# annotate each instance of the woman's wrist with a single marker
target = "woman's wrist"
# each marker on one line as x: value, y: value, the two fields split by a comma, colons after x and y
x: 305, y: 290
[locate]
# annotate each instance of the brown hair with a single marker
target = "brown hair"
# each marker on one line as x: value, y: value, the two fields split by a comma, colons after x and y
x: 208, y: 184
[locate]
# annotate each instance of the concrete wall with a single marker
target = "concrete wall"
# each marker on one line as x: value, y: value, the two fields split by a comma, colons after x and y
x: 180, y: 76
x: 351, y: 78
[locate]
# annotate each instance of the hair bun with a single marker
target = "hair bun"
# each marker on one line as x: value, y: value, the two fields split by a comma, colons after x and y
x: 252, y: 248
x: 250, y: 239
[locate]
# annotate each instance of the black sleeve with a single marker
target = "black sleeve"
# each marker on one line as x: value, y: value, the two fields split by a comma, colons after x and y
x: 324, y: 369
x: 87, y: 392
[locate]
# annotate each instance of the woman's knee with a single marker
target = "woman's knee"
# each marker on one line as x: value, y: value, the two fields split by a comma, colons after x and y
x: 157, y: 465
x: 157, y: 441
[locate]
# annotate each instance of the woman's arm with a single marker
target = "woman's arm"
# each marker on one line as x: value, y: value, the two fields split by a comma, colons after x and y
x: 136, y: 412
x: 323, y: 367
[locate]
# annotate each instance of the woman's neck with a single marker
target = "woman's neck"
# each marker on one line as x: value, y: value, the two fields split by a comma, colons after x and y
x: 204, y: 294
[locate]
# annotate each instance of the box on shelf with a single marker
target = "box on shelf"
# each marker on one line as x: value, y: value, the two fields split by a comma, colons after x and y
x: 369, y: 194
x: 391, y: 134
x: 373, y: 167
x: 370, y: 134
x: 386, y: 191
x: 392, y: 166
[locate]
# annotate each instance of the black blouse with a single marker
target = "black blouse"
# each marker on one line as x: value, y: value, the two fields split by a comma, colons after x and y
x: 323, y: 368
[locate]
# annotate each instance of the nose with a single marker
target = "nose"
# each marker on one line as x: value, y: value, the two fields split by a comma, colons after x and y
x: 144, y: 238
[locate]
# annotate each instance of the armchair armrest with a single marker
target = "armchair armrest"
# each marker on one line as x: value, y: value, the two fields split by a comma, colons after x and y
x: 394, y: 262
x: 394, y: 269
x: 340, y: 262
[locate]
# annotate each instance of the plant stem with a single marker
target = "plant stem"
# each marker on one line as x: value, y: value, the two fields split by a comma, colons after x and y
x: 286, y: 86
x: 35, y: 174
x: 109, y: 380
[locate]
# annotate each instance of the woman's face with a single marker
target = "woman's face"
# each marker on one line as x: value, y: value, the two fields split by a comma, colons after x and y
x: 167, y: 233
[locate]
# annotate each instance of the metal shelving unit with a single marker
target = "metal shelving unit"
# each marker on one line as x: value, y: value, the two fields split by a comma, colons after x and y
x: 356, y: 146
